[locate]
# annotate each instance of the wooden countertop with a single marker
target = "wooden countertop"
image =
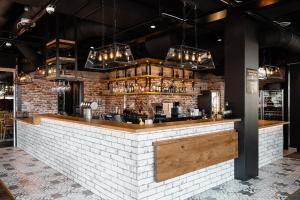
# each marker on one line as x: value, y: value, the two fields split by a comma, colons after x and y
x: 270, y: 123
x: 132, y: 128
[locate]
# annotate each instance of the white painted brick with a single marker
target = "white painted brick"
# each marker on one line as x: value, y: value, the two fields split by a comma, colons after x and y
x: 118, y: 165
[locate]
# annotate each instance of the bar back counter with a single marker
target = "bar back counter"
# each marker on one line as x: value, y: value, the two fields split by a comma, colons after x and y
x: 125, y: 161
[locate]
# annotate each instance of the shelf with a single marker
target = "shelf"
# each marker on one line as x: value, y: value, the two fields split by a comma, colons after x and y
x: 150, y: 76
x: 132, y: 78
x: 153, y: 93
x: 63, y: 60
x: 63, y: 77
x: 63, y: 44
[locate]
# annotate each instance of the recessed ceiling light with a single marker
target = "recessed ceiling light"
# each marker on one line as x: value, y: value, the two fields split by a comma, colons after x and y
x: 219, y: 39
x: 283, y: 24
x: 8, y: 44
x: 153, y: 26
x: 50, y: 9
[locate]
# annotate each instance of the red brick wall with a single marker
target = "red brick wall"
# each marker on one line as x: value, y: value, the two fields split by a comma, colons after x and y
x: 37, y: 97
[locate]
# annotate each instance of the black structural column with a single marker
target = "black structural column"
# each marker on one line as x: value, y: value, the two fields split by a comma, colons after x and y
x: 241, y: 89
x: 295, y: 106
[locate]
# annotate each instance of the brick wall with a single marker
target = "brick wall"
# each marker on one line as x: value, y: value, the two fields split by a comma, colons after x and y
x: 118, y: 165
x: 37, y: 97
x: 146, y: 103
x: 270, y: 145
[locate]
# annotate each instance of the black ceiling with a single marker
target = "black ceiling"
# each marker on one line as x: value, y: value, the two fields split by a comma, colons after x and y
x: 134, y: 18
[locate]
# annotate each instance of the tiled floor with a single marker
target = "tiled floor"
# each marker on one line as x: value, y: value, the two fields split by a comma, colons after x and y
x: 275, y: 181
x: 29, y: 179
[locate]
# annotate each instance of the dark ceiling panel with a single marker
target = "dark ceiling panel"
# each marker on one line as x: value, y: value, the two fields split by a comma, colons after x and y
x: 36, y: 3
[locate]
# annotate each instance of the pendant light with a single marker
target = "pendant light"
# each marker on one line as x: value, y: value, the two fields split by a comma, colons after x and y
x: 188, y: 57
x: 269, y: 71
x: 115, y: 55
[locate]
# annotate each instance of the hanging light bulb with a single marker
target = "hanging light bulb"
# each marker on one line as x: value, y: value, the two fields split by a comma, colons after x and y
x: 173, y: 54
x: 179, y: 55
x: 199, y: 58
x: 100, y: 57
x: 105, y: 56
x: 111, y: 55
x: 118, y: 54
x: 186, y: 56
x: 193, y: 57
x: 208, y: 55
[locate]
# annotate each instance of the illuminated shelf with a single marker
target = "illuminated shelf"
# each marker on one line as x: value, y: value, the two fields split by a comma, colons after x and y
x: 62, y: 60
x: 150, y: 76
x: 152, y: 93
x: 63, y: 44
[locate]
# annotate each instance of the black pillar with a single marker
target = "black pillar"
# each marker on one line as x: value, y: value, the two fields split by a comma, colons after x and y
x: 241, y: 59
x: 286, y: 128
x: 295, y: 106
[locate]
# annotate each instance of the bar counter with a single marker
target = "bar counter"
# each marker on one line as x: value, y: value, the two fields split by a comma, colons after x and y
x: 130, y: 128
x: 171, y: 160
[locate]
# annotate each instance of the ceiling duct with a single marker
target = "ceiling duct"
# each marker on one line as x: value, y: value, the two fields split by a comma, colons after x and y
x: 280, y: 38
x: 31, y: 56
x: 158, y: 47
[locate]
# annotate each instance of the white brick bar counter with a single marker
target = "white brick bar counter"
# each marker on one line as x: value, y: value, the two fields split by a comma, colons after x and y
x: 270, y: 144
x: 116, y: 164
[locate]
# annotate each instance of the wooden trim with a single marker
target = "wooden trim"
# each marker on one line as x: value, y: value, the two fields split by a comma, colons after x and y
x: 63, y: 60
x: 3, y: 69
x: 270, y: 123
x: 176, y: 157
x: 61, y: 41
x: 130, y: 128
x: 6, y: 190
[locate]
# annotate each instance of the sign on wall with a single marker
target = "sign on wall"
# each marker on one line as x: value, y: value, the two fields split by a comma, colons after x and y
x: 251, y: 81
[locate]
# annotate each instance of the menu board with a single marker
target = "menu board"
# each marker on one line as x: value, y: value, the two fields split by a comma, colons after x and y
x: 251, y: 81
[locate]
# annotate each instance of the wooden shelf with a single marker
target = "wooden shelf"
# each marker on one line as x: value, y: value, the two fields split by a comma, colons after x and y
x: 64, y: 77
x: 152, y: 93
x: 63, y: 60
x: 63, y: 44
x: 132, y: 78
x: 150, y: 76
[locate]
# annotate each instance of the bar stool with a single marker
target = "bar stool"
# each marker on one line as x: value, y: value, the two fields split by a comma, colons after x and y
x: 7, y: 125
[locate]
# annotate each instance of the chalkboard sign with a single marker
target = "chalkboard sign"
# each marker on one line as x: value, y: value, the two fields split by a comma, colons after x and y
x: 252, y: 81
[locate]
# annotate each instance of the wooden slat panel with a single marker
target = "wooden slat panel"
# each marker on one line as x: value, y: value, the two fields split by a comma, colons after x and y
x: 180, y: 156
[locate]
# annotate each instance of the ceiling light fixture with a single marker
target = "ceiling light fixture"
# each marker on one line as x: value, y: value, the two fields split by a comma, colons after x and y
x: 283, y: 24
x: 188, y: 57
x: 8, y: 44
x: 219, y: 39
x: 50, y: 9
x: 153, y: 26
x: 173, y: 16
x: 111, y: 56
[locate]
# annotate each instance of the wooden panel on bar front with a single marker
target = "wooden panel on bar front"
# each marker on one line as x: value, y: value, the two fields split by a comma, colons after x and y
x: 179, y: 156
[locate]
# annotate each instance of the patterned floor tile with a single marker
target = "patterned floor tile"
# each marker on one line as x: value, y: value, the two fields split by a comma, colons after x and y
x: 275, y: 181
x: 30, y: 179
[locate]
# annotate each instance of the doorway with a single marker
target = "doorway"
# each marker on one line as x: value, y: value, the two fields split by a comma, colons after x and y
x: 69, y: 101
x: 7, y: 107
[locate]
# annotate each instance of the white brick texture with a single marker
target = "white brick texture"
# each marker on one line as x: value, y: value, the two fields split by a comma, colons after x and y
x: 270, y: 144
x: 118, y: 165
